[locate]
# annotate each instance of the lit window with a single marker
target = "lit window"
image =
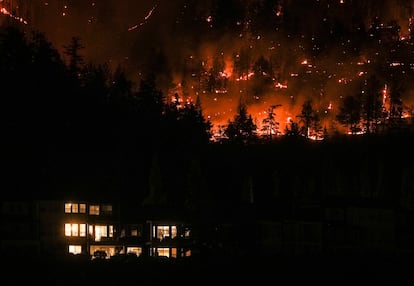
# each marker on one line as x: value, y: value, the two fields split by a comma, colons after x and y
x: 187, y: 233
x: 91, y: 230
x: 72, y: 229
x: 94, y: 210
x: 163, y: 231
x: 174, y: 252
x: 134, y: 232
x: 82, y: 208
x: 173, y: 231
x: 162, y: 251
x: 82, y: 230
x: 68, y: 208
x: 74, y: 208
x: 136, y: 250
x: 75, y: 231
x: 75, y: 249
x: 68, y: 228
x: 100, y: 231
x: 111, y: 231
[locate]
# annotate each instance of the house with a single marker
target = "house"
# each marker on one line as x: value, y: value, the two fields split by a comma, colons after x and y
x: 169, y: 238
x: 94, y: 229
x: 90, y: 227
x: 107, y: 229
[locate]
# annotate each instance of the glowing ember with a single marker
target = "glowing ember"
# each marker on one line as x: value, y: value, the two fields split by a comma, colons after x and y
x: 145, y: 19
x: 4, y: 11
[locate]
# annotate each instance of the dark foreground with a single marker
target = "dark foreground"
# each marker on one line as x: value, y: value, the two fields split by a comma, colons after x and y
x: 208, y: 271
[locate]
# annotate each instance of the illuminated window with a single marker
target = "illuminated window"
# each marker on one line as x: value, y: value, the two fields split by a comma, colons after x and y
x: 75, y: 249
x: 94, y: 209
x: 68, y: 228
x: 163, y: 251
x: 75, y: 208
x: 173, y: 231
x: 82, y: 230
x: 68, y: 208
x: 74, y: 229
x: 111, y: 231
x: 100, y: 231
x: 82, y: 208
x: 134, y: 232
x: 136, y: 250
x: 174, y: 252
x: 91, y: 230
x: 187, y: 253
x: 163, y: 231
x: 110, y: 250
x: 187, y: 233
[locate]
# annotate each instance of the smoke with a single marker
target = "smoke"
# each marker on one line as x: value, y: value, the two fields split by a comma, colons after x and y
x: 175, y: 39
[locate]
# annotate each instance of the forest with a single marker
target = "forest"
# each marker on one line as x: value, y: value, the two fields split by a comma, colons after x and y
x: 71, y: 126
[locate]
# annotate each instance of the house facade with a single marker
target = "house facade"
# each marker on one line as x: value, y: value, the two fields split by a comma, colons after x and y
x: 108, y: 229
x: 93, y: 229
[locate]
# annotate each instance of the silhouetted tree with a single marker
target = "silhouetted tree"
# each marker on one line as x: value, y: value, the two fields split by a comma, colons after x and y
x: 241, y: 62
x: 15, y: 67
x: 205, y: 124
x: 123, y: 118
x: 76, y: 60
x: 212, y: 81
x: 270, y: 125
x: 151, y: 99
x: 96, y: 81
x: 263, y: 76
x: 32, y: 77
x: 185, y: 124
x: 309, y: 118
x: 242, y: 129
x: 45, y: 57
x: 350, y: 113
x: 121, y: 86
x: 292, y: 129
x: 396, y: 104
x: 48, y: 80
x: 371, y: 102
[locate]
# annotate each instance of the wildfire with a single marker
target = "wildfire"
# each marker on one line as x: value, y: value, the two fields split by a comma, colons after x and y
x: 6, y: 12
x: 145, y: 19
x: 253, y: 66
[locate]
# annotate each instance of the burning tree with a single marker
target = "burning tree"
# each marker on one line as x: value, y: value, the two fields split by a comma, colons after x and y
x: 372, y: 108
x: 292, y: 129
x: 396, y: 104
x: 270, y: 125
x: 309, y: 118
